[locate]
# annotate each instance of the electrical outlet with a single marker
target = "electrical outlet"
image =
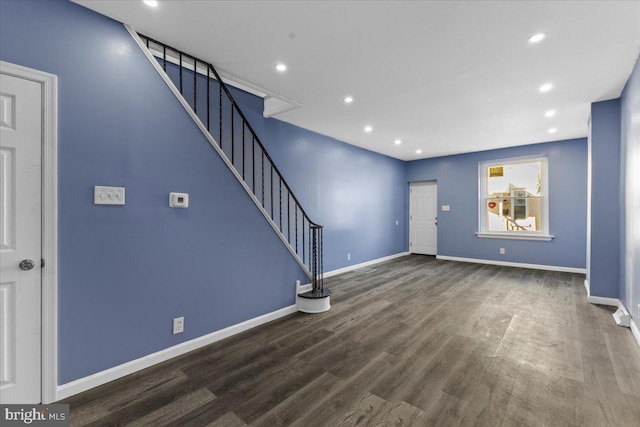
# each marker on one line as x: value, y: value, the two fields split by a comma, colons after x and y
x: 178, y: 325
x: 502, y: 251
x: 397, y: 223
x: 348, y: 257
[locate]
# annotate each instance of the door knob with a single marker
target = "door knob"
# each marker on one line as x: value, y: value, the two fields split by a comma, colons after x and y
x: 26, y: 264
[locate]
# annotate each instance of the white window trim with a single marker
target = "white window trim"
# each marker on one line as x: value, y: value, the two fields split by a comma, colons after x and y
x: 482, y: 191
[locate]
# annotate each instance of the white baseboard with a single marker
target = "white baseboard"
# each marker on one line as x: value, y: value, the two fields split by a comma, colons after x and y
x: 635, y: 330
x: 613, y: 302
x: 304, y: 288
x: 515, y: 264
x: 69, y: 389
x: 364, y: 264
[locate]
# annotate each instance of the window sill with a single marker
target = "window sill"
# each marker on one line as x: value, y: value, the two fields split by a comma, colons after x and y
x: 518, y: 236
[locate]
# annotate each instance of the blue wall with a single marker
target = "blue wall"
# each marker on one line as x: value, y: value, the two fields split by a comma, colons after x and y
x: 125, y: 272
x: 629, y: 289
x: 605, y: 198
x: 457, y: 178
x: 356, y: 195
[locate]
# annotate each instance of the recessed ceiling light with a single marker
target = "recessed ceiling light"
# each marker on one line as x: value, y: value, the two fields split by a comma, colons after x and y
x: 151, y: 3
x: 368, y: 129
x: 281, y: 67
x: 537, y: 37
x: 546, y: 87
x: 418, y: 151
x: 550, y: 113
x: 397, y: 142
x: 348, y: 100
x: 553, y: 130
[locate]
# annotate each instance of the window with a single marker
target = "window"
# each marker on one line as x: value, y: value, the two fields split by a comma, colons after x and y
x: 513, y: 198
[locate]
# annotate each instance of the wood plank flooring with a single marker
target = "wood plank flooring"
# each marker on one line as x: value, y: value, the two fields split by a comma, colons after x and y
x: 415, y: 342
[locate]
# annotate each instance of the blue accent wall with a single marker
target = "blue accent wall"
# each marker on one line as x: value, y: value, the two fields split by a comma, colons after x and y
x: 605, y: 198
x: 457, y: 178
x: 357, y: 195
x: 629, y: 288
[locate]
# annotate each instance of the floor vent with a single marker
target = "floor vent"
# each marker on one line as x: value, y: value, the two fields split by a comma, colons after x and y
x: 622, y: 317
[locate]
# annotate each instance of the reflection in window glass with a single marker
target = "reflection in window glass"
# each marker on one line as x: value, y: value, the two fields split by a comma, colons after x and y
x: 513, y: 196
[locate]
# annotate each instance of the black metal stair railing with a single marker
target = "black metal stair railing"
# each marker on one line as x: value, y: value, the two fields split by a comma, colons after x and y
x: 212, y: 102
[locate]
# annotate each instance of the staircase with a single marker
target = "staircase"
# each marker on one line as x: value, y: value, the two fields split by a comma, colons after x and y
x: 207, y: 99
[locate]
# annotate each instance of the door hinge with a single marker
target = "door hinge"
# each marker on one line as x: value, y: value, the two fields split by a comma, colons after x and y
x: 41, y: 262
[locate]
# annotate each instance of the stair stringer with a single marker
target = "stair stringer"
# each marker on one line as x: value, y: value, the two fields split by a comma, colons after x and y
x: 215, y: 146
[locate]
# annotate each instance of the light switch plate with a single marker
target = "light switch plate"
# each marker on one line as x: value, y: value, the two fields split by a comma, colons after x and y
x: 108, y: 195
x: 445, y: 208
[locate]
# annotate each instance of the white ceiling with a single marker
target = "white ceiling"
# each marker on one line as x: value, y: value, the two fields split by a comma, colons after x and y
x: 445, y: 77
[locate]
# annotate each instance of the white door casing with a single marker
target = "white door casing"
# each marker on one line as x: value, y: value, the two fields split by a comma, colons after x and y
x: 423, y: 207
x: 20, y: 239
x: 47, y: 184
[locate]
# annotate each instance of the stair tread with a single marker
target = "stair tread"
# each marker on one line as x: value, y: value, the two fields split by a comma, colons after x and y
x: 321, y: 293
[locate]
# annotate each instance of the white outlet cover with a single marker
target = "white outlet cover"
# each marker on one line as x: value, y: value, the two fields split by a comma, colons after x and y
x: 446, y: 208
x: 178, y: 325
x: 108, y: 195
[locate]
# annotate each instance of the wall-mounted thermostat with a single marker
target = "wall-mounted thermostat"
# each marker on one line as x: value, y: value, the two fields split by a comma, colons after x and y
x: 179, y: 200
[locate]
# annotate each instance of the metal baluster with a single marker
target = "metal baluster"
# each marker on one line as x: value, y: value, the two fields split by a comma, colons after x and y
x: 208, y: 103
x: 233, y: 131
x: 296, y: 206
x: 195, y: 86
x: 253, y: 166
x: 320, y: 279
x: 289, y: 217
x: 280, y: 197
x: 243, y: 143
x: 180, y: 55
x: 220, y: 104
x: 262, y: 192
x: 164, y: 57
x: 271, y: 184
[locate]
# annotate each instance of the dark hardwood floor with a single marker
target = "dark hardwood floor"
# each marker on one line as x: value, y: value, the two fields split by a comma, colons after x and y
x: 413, y: 341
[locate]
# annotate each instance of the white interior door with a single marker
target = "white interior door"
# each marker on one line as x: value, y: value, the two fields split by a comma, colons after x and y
x: 423, y: 220
x: 21, y: 110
